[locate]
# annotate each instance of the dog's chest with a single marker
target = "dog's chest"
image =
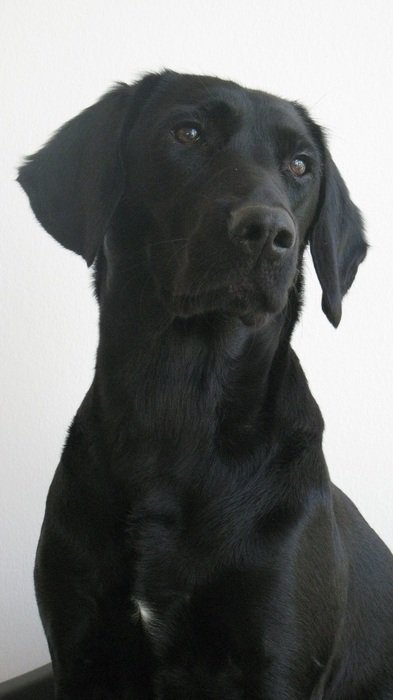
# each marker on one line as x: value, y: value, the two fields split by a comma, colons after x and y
x: 181, y: 537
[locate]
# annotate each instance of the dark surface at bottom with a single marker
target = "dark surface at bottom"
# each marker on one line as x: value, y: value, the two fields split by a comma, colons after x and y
x: 36, y: 685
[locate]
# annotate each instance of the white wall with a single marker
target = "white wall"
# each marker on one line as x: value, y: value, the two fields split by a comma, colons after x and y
x: 334, y: 56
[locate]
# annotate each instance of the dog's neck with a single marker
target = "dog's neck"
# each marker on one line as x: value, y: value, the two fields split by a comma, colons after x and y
x: 207, y: 379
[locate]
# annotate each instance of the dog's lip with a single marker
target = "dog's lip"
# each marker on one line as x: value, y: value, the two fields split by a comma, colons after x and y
x: 240, y: 288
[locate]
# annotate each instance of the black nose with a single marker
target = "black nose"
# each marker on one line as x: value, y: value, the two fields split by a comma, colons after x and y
x: 262, y: 229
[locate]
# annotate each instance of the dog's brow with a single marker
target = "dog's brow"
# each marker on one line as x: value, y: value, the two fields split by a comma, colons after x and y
x: 222, y: 109
x: 181, y: 112
x: 290, y: 137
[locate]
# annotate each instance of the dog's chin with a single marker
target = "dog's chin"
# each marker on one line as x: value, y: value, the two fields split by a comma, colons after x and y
x: 251, y: 304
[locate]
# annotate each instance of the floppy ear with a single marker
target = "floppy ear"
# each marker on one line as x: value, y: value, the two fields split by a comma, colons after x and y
x: 337, y: 241
x: 76, y: 181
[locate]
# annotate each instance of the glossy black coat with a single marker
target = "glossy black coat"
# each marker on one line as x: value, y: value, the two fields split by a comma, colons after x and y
x: 193, y: 544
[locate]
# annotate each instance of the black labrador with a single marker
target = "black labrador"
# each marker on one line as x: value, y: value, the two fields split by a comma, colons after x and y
x: 194, y: 546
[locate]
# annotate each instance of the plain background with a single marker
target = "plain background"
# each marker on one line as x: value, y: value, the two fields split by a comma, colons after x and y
x: 58, y: 57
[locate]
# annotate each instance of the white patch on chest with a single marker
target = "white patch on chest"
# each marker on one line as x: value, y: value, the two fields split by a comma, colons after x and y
x: 155, y: 622
x: 145, y: 612
x: 149, y: 619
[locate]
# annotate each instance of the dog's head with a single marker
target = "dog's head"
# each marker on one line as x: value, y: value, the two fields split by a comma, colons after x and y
x: 224, y: 185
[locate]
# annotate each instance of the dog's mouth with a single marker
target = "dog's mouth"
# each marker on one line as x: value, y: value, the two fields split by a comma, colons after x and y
x: 245, y: 299
x: 238, y: 286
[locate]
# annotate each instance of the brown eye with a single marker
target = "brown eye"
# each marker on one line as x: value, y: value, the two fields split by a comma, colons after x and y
x: 187, y: 134
x: 298, y: 166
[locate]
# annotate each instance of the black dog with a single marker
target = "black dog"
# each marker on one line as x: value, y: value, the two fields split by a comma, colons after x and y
x: 193, y: 544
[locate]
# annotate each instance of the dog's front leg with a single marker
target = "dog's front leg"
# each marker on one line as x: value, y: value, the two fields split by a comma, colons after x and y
x: 98, y: 646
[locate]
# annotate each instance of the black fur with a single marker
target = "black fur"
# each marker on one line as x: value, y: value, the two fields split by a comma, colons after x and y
x: 193, y: 544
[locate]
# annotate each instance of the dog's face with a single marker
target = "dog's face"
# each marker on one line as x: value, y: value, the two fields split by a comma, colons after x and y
x: 227, y: 185
x: 229, y: 179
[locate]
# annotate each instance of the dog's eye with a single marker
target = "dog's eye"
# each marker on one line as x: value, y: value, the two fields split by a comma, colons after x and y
x: 298, y: 166
x: 187, y: 133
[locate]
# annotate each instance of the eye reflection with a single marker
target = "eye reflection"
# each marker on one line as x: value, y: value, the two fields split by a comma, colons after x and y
x: 298, y: 166
x: 187, y: 134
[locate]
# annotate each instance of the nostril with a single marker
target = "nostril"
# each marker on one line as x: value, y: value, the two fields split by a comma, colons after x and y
x: 283, y: 240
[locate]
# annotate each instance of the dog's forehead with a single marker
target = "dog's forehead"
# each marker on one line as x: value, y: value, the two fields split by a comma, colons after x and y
x: 195, y: 91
